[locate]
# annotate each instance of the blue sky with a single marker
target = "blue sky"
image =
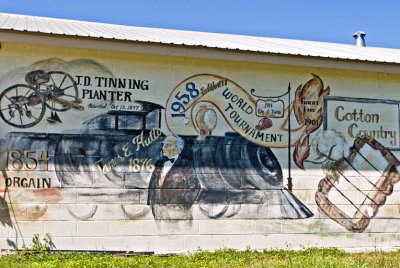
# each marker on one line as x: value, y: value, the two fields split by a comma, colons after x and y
x: 328, y: 21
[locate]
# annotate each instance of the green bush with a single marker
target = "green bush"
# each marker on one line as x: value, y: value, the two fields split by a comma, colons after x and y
x: 38, y: 246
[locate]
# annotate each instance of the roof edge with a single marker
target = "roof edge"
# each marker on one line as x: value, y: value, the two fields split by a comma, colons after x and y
x: 202, y: 52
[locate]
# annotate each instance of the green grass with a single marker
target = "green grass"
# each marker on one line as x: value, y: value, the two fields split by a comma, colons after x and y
x: 223, y: 258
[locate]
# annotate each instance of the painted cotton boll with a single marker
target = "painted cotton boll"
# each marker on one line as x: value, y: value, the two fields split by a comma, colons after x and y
x: 330, y: 140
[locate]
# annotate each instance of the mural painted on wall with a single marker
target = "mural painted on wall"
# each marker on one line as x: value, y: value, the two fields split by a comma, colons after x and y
x: 24, y: 105
x: 367, y: 168
x: 204, y: 150
x: 125, y: 147
x: 370, y: 170
x: 260, y: 119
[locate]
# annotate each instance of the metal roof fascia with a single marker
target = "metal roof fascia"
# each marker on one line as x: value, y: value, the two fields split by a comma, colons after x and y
x: 195, y: 51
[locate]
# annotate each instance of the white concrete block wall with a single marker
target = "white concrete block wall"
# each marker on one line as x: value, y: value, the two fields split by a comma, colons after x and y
x: 67, y: 215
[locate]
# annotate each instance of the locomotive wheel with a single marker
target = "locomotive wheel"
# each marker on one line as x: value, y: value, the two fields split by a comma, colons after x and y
x: 61, y: 85
x: 134, y: 214
x: 22, y: 106
x: 83, y: 213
